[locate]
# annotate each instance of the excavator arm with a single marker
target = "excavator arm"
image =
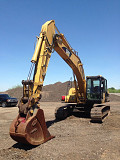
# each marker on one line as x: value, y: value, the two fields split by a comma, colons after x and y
x: 46, y: 42
x: 42, y: 55
x: 29, y: 126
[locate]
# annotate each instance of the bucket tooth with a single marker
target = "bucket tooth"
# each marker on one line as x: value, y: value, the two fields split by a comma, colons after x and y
x: 31, y: 131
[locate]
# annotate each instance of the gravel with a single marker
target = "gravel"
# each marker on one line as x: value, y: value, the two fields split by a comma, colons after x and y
x: 76, y: 138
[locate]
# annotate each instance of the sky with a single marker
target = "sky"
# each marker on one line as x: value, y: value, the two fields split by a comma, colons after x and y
x: 92, y: 27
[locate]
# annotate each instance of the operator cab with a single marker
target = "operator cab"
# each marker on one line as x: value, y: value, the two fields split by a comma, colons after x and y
x: 96, y: 89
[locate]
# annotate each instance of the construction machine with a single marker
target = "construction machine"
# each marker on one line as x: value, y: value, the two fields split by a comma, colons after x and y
x: 95, y: 105
x: 29, y: 126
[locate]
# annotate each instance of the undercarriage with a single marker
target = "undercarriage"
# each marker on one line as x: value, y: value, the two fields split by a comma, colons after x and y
x: 97, y: 112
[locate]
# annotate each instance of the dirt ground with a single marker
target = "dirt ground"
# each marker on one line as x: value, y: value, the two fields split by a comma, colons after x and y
x: 75, y: 138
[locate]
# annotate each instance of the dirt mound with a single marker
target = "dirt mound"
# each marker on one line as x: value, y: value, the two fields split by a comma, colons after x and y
x: 50, y: 93
x: 15, y: 92
x: 53, y: 92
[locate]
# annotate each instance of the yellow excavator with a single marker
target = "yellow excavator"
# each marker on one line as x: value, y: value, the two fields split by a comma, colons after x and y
x: 91, y: 94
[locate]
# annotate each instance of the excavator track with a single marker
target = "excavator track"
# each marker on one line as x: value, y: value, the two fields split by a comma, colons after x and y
x: 99, y: 112
x: 63, y: 111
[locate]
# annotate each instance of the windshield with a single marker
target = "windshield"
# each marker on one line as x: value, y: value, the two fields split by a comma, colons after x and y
x: 4, y: 96
x: 92, y: 84
x: 93, y: 89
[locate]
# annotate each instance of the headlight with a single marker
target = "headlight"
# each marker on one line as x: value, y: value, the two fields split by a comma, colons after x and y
x: 8, y: 100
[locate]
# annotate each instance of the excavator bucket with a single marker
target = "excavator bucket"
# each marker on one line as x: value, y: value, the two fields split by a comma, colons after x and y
x: 31, y: 131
